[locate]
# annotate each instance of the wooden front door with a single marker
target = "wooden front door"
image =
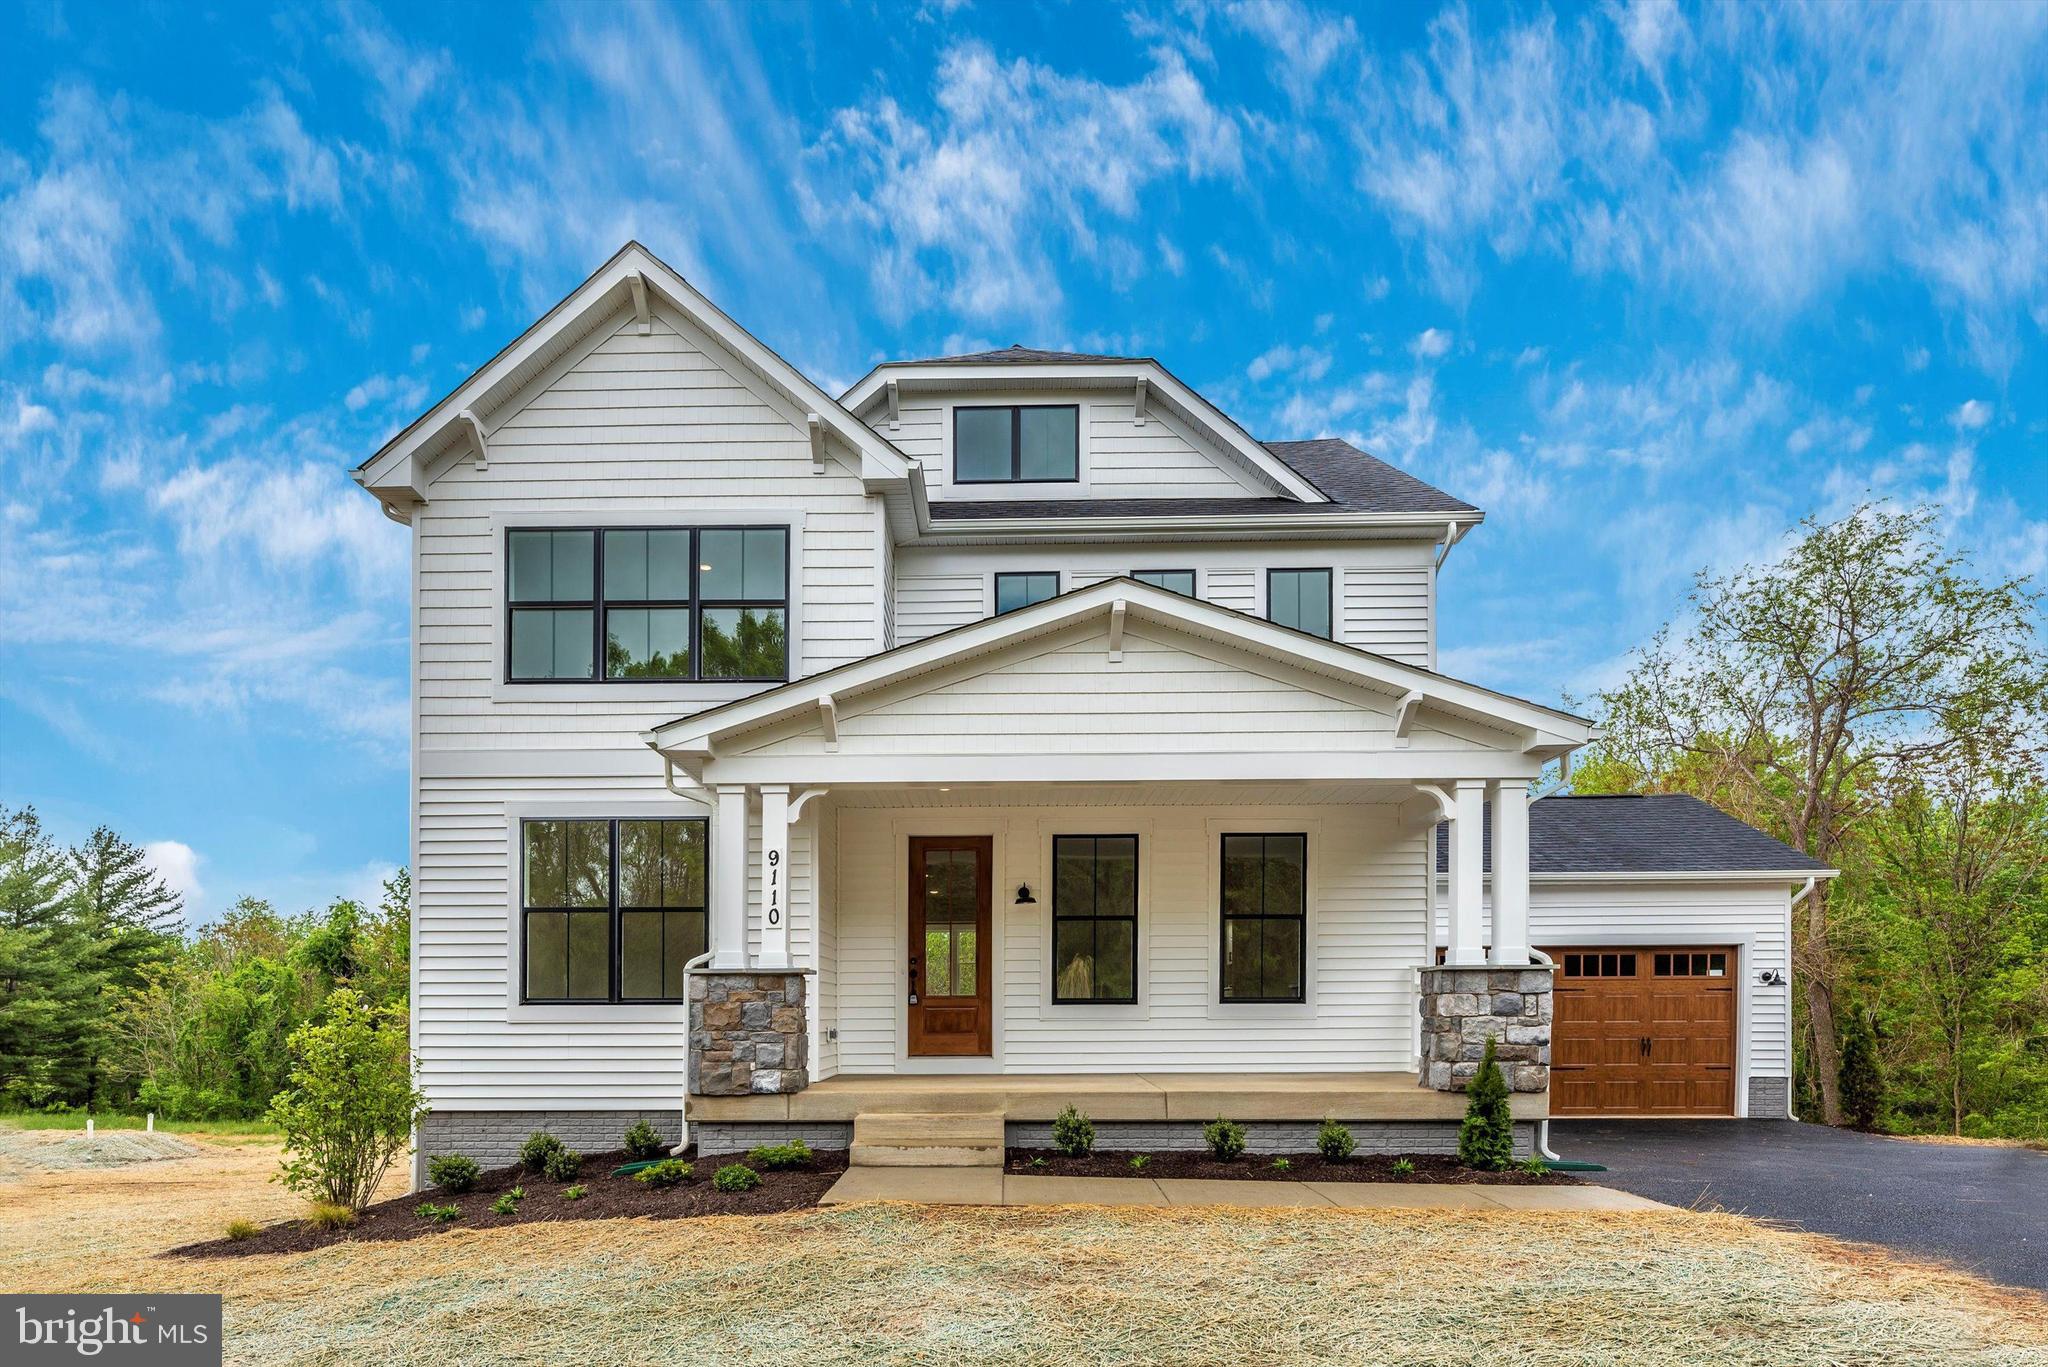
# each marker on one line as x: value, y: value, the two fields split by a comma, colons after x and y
x: 1648, y: 1030
x: 950, y: 1000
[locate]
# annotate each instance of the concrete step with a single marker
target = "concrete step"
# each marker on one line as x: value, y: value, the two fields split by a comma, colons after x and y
x: 934, y: 1139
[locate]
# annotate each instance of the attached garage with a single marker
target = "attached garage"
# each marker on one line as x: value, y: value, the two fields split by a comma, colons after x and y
x: 1670, y: 923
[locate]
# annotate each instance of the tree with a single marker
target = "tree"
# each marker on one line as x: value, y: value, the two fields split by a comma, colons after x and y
x: 1862, y: 1084
x: 1811, y: 688
x: 131, y: 920
x: 1486, y: 1137
x: 49, y: 985
x: 351, y: 1104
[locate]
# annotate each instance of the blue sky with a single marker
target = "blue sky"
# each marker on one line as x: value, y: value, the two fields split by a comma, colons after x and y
x: 1647, y: 282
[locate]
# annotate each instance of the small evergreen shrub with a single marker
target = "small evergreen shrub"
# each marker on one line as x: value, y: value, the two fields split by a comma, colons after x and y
x: 1073, y: 1134
x: 440, y: 1215
x: 1862, y: 1081
x: 1334, y: 1142
x: 1404, y: 1167
x: 1486, y: 1138
x: 1225, y: 1138
x: 239, y: 1230
x: 562, y: 1165
x: 641, y: 1140
x: 330, y: 1215
x: 454, y: 1172
x: 736, y: 1177
x: 508, y: 1204
x: 669, y: 1172
x: 794, y: 1154
x: 576, y: 1193
x: 1282, y: 1164
x: 538, y: 1148
x: 1139, y: 1160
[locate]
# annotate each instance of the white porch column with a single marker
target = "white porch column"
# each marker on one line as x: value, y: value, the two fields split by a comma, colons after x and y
x: 729, y: 878
x: 1510, y: 874
x: 774, y: 876
x: 1468, y: 844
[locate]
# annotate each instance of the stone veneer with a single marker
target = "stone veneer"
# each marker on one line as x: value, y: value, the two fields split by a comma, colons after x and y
x: 1462, y: 1006
x: 747, y: 1033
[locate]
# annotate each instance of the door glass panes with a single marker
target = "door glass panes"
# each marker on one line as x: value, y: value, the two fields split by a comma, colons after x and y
x: 951, y: 911
x: 1299, y: 599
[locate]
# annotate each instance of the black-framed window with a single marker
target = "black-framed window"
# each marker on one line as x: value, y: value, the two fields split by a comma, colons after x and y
x: 611, y: 910
x: 1299, y: 599
x: 640, y: 604
x: 1094, y: 918
x: 1017, y: 444
x: 1015, y: 591
x: 1265, y: 917
x: 1181, y: 582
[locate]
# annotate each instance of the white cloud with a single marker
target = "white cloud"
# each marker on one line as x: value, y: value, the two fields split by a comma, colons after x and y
x: 1304, y: 363
x: 401, y: 393
x: 178, y: 865
x: 1430, y: 343
x: 1970, y: 415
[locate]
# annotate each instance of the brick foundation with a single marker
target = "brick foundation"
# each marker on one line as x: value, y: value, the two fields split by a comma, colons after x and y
x: 748, y: 1033
x: 1462, y: 1007
x: 493, y: 1138
x: 1268, y: 1136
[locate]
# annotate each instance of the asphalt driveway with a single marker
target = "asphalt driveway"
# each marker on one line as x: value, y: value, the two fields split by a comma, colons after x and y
x: 1981, y: 1208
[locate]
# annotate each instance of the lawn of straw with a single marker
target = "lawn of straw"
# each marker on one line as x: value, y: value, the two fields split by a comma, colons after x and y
x: 901, y: 1284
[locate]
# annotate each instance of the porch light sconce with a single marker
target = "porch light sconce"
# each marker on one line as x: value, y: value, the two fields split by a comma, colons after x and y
x: 1024, y: 897
x: 1771, y: 977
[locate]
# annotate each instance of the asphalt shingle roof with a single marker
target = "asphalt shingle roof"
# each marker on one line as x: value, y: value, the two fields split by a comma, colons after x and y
x: 1023, y: 355
x: 1653, y: 833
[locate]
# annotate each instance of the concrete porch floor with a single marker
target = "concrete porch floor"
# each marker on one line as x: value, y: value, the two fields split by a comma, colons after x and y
x: 993, y: 1187
x: 1111, y: 1096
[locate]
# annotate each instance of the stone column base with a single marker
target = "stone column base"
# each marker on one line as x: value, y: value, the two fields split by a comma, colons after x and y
x: 1462, y: 1006
x: 748, y: 1033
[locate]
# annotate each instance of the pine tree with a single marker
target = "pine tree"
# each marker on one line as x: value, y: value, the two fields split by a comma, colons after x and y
x: 50, y: 985
x: 133, y: 921
x: 1862, y: 1081
x: 1486, y: 1139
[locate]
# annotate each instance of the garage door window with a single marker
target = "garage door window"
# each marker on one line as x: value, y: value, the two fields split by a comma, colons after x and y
x: 1601, y: 965
x: 1694, y: 965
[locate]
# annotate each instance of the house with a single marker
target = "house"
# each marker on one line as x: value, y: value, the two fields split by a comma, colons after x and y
x: 1014, y: 729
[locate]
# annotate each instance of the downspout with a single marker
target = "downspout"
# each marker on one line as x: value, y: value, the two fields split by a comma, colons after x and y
x: 1543, y: 1149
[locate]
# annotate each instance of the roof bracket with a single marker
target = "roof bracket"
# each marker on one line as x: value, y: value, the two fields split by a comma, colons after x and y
x: 1116, y: 632
x: 802, y: 800
x: 828, y: 717
x: 638, y: 283
x: 481, y: 455
x: 817, y: 426
x: 1404, y: 717
x: 1139, y: 397
x: 895, y: 413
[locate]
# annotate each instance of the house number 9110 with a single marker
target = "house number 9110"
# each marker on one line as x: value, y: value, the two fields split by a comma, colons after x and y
x: 775, y: 887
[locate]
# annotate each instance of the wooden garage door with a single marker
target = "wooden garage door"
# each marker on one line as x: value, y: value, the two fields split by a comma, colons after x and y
x: 1643, y: 1031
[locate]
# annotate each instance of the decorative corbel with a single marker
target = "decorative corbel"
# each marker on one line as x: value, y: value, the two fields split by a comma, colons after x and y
x: 1140, y: 396
x: 799, y: 802
x: 895, y: 412
x: 817, y: 427
x: 828, y: 718
x: 638, y: 284
x: 1116, y: 632
x: 481, y: 456
x: 1404, y: 716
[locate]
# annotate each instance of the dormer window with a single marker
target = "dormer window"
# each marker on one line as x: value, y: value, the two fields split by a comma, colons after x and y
x: 1017, y: 444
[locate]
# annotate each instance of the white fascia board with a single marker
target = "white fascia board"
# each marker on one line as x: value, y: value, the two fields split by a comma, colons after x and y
x: 1537, y: 725
x: 400, y: 466
x: 1303, y: 524
x: 1164, y: 387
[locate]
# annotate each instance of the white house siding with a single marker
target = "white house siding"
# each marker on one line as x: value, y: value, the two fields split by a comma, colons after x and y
x: 632, y: 430
x: 1119, y: 457
x: 1381, y: 590
x: 1367, y: 916
x: 1750, y: 915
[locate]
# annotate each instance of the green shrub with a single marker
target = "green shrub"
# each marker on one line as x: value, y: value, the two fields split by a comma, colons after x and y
x: 641, y: 1140
x: 350, y: 1106
x: 1225, y: 1138
x: 1038, y: 1162
x: 1534, y: 1165
x: 576, y: 1193
x: 669, y: 1172
x: 1282, y: 1164
x: 239, y: 1230
x: 1139, y: 1160
x: 794, y: 1154
x: 508, y: 1204
x: 736, y: 1177
x: 1404, y: 1167
x: 1862, y: 1081
x: 561, y: 1165
x: 440, y: 1215
x: 330, y: 1215
x: 1073, y: 1134
x: 1334, y: 1142
x: 452, y: 1173
x: 1486, y: 1138
x: 538, y: 1148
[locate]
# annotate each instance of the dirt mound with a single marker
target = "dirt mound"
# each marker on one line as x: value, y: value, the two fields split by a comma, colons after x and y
x: 114, y: 1149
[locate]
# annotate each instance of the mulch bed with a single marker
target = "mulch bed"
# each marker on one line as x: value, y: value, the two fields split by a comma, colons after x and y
x: 606, y: 1197
x: 1258, y: 1167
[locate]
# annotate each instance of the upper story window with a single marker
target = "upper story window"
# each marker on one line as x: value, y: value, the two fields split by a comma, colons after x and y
x: 1299, y: 599
x: 1017, y: 444
x: 1015, y: 591
x: 647, y: 603
x: 1181, y: 582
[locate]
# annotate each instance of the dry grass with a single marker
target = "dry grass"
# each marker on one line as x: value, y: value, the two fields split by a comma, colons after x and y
x: 896, y: 1284
x: 2038, y: 1145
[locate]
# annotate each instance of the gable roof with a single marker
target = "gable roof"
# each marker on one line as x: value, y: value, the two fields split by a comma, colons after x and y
x: 1650, y: 833
x: 404, y: 467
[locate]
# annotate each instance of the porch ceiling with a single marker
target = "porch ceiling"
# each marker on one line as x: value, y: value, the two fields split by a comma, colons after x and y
x: 1163, y: 794
x: 1386, y: 1096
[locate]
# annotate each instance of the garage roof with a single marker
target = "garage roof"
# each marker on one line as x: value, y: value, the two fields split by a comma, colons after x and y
x: 1658, y: 833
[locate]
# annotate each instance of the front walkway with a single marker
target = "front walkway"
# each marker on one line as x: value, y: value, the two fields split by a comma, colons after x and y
x: 994, y: 1187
